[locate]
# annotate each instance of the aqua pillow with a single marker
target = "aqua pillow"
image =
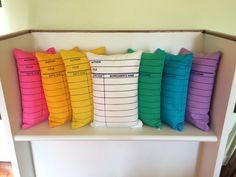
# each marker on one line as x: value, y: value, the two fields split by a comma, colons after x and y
x: 174, y: 89
x: 149, y: 87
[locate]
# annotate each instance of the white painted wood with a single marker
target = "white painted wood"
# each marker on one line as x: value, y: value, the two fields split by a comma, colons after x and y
x: 114, y: 159
x: 21, y: 157
x: 8, y: 134
x: 174, y: 154
x: 224, y: 98
x: 49, y: 153
x: 117, y: 42
x: 4, y: 144
x: 9, y: 79
x: 120, y: 42
x: 19, y: 153
x: 42, y: 132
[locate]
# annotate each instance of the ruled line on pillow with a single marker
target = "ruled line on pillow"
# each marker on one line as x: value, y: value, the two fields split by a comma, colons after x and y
x: 111, y: 89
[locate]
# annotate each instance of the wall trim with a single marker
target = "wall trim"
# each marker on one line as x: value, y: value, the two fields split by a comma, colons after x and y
x: 209, y: 32
x: 113, y: 31
x: 219, y: 34
x: 15, y: 34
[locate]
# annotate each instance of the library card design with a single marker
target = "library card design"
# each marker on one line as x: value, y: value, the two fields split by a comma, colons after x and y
x: 174, y: 89
x: 115, y: 89
x: 149, y: 88
x: 34, y: 107
x: 79, y: 80
x: 55, y: 88
x: 201, y: 83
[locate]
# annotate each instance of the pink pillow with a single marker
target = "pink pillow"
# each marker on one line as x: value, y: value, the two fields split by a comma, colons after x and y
x: 34, y: 106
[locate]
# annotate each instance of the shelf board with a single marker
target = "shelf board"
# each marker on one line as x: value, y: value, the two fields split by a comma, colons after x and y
x: 42, y: 132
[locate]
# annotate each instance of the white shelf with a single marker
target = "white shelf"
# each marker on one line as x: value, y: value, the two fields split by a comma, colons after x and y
x: 42, y: 132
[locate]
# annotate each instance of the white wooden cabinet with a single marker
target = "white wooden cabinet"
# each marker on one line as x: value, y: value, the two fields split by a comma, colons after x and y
x: 88, y: 152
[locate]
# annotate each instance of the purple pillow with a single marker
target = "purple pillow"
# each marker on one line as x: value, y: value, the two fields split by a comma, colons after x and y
x: 201, y: 84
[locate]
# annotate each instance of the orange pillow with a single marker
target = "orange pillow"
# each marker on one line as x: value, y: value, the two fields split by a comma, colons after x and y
x: 55, y: 88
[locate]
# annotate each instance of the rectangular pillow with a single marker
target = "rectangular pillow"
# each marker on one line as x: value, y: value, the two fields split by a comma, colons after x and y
x: 55, y: 88
x: 115, y: 89
x: 34, y: 106
x: 201, y: 86
x: 174, y: 89
x: 149, y: 88
x: 79, y: 79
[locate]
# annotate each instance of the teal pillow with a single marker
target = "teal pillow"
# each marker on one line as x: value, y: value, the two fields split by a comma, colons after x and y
x: 174, y: 89
x: 149, y: 88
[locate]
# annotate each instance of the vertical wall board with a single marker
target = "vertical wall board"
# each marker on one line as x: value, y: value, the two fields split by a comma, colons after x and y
x: 223, y: 101
x: 22, y: 162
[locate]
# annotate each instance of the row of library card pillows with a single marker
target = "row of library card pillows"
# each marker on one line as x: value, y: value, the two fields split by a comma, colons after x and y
x: 121, y: 90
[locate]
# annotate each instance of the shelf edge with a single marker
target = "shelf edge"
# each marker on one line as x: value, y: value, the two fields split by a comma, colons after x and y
x: 115, y: 138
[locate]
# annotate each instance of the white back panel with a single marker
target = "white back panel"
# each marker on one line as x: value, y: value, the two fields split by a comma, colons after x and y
x: 120, y: 42
x: 114, y: 158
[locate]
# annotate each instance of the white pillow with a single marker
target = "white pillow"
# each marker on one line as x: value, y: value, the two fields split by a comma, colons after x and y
x: 115, y: 89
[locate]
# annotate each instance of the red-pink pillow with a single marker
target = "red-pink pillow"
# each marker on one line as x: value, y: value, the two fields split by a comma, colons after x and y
x: 34, y: 106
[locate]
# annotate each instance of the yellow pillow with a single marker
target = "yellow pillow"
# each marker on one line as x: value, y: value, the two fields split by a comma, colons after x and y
x: 55, y: 88
x: 79, y: 78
